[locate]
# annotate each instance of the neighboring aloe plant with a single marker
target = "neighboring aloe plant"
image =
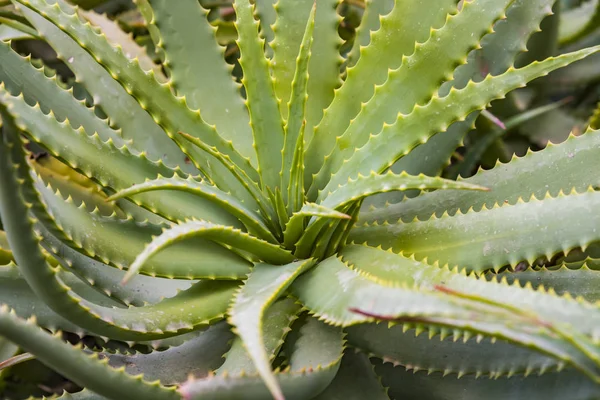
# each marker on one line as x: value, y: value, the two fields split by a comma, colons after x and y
x: 245, y: 229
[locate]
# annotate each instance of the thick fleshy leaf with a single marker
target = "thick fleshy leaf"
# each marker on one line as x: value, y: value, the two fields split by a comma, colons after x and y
x: 314, y: 363
x: 498, y: 52
x: 494, y: 237
x: 407, y: 24
x: 579, y: 21
x: 424, y: 121
x: 64, y: 28
x: 83, y: 369
x: 364, y: 186
x: 456, y: 354
x: 82, y: 152
x: 265, y: 119
x: 119, y: 241
x: 421, y: 385
x: 116, y: 35
x: 197, y: 356
x: 253, y: 222
x: 581, y: 282
x: 355, y: 380
x: 293, y: 147
x: 434, y: 60
x: 263, y: 286
x: 276, y: 325
x: 196, y: 46
x: 164, y: 319
x: 125, y: 112
x: 217, y: 233
x: 369, y: 23
x: 296, y: 225
x: 341, y: 296
x: 567, y: 163
x: 323, y: 68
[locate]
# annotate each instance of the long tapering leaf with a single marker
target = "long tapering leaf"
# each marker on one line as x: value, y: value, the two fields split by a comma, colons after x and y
x: 276, y: 324
x: 265, y: 119
x: 407, y: 24
x: 218, y: 233
x: 567, y: 163
x: 81, y: 368
x: 172, y: 113
x: 419, y: 125
x: 197, y: 46
x: 296, y: 224
x: 294, y: 137
x: 498, y: 53
x: 263, y: 286
x: 164, y: 319
x: 364, y: 186
x: 504, y: 234
x: 342, y: 296
x: 314, y: 362
x: 202, y: 189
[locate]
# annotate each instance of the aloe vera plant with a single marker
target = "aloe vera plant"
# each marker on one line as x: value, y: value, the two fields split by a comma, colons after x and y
x: 253, y: 241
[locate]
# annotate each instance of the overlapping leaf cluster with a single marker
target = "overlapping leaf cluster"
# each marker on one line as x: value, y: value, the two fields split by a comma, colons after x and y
x: 205, y: 239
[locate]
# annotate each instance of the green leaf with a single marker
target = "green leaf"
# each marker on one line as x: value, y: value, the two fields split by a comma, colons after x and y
x: 217, y: 233
x: 264, y: 285
x: 324, y: 66
x: 125, y: 111
x: 119, y: 241
x: 197, y: 67
x: 81, y: 151
x: 71, y: 362
x: 498, y: 53
x: 567, y: 163
x: 248, y: 217
x: 167, y: 318
x: 355, y: 380
x: 424, y: 121
x: 421, y: 385
x: 291, y: 45
x: 434, y: 60
x: 579, y: 21
x: 16, y: 293
x: 73, y: 185
x: 14, y: 29
x: 19, y: 76
x: 580, y: 282
x: 409, y: 22
x: 170, y: 112
x: 115, y: 35
x: 140, y: 290
x: 267, y: 126
x: 296, y: 224
x: 295, y: 191
x: 265, y: 11
x: 477, y: 150
x: 341, y: 296
x: 276, y: 325
x: 313, y: 365
x: 369, y: 24
x: 506, y: 234
x: 253, y: 193
x: 197, y: 356
x: 292, y: 152
x: 9, y: 33
x: 364, y: 186
x: 457, y: 354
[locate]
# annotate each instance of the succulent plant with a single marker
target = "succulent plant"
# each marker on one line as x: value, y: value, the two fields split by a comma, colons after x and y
x: 295, y: 223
